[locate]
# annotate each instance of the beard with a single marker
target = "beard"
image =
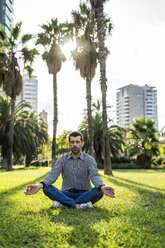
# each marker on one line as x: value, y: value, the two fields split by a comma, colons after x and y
x: 75, y: 150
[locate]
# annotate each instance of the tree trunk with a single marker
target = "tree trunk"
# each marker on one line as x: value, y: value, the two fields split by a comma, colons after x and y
x: 55, y: 120
x: 11, y: 135
x: 4, y: 163
x: 102, y: 61
x: 28, y: 160
x: 5, y: 149
x: 90, y: 120
x: 99, y: 159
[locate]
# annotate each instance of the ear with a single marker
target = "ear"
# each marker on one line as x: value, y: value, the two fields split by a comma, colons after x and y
x: 82, y: 144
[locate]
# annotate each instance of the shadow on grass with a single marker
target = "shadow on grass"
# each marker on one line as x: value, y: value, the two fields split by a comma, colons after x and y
x: 139, y: 184
x: 70, y: 226
x: 140, y: 170
x: 22, y: 186
x: 133, y: 185
x: 96, y: 227
x: 144, y: 190
x: 16, y: 168
x: 76, y: 226
x: 31, y: 228
x: 130, y: 183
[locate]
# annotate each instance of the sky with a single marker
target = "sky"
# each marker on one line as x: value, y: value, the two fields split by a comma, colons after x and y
x: 137, y: 56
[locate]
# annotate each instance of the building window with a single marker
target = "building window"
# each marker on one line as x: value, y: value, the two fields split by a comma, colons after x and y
x: 127, y: 91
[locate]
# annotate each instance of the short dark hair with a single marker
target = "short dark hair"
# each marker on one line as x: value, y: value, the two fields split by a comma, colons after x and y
x: 75, y: 134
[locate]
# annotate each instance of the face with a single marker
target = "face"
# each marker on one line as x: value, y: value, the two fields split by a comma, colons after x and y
x: 76, y: 144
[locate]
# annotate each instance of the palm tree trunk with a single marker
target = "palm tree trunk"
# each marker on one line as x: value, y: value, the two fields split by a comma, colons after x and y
x: 102, y: 61
x: 11, y: 134
x: 90, y: 120
x: 4, y: 163
x: 5, y: 149
x: 55, y: 120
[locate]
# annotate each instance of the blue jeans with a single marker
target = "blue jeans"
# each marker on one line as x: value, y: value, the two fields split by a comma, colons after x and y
x: 69, y: 198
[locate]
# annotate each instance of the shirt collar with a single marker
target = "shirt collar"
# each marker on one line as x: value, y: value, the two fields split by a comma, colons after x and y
x: 69, y: 156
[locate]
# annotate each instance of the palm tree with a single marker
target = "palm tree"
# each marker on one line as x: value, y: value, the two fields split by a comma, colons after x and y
x: 116, y: 140
x: 162, y: 132
x: 62, y: 143
x: 51, y: 38
x: 30, y: 133
x: 97, y: 6
x: 5, y: 113
x: 33, y: 133
x: 13, y: 48
x: 144, y: 141
x: 115, y: 135
x: 85, y: 58
x: 124, y: 131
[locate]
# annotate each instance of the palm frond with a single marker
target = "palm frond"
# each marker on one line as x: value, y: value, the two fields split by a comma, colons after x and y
x: 15, y: 31
x: 27, y: 37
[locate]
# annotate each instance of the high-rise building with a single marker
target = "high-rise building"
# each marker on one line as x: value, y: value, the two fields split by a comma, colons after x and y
x: 135, y: 101
x: 30, y: 92
x: 6, y: 14
x: 44, y: 116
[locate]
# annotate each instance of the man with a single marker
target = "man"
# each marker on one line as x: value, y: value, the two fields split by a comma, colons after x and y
x: 77, y: 170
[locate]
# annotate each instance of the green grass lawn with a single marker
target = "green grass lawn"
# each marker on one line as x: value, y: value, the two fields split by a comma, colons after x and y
x: 135, y: 218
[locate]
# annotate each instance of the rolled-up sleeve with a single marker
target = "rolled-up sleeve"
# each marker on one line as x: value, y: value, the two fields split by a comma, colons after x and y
x: 55, y: 172
x: 93, y: 172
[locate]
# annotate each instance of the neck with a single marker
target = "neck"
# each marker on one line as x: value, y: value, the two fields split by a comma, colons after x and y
x: 76, y: 155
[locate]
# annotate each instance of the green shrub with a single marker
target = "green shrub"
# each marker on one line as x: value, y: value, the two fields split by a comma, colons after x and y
x: 19, y: 161
x: 125, y: 166
x: 157, y: 166
x: 122, y: 160
x: 159, y: 160
x: 100, y: 166
x: 38, y: 163
x: 120, y: 163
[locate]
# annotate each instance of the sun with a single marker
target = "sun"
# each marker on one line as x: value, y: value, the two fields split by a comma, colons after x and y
x: 67, y: 48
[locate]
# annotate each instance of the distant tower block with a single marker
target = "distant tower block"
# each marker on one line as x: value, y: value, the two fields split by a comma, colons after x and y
x: 44, y: 115
x: 134, y: 101
x: 6, y: 14
x: 30, y: 92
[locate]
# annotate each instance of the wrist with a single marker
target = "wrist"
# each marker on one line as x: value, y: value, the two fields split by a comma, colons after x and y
x: 43, y: 184
x: 40, y: 185
x: 100, y: 186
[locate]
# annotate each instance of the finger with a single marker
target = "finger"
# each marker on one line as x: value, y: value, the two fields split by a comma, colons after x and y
x: 26, y: 193
x: 28, y: 187
x: 111, y: 195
